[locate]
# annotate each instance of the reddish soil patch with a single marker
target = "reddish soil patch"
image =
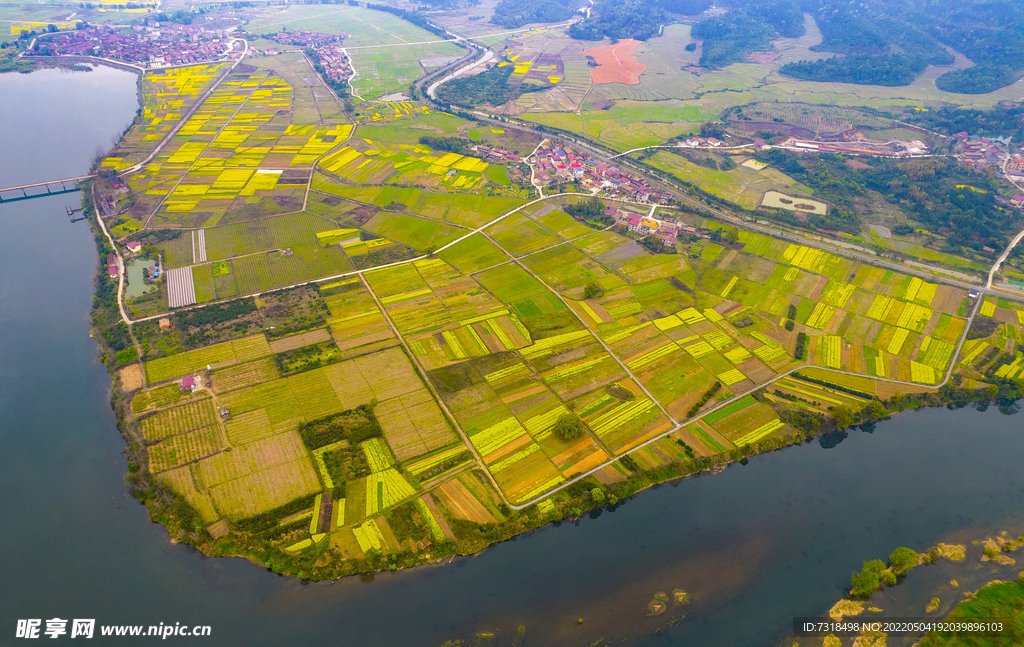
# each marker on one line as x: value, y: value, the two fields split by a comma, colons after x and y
x: 857, y: 164
x: 616, y: 63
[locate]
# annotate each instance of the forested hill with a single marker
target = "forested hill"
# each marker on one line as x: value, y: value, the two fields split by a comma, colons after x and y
x: 516, y: 13
x: 621, y: 19
x: 749, y: 26
x: 876, y: 42
x: 890, y: 42
x: 730, y: 37
x: 934, y: 192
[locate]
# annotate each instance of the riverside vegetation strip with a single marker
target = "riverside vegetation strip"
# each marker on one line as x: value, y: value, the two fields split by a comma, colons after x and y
x: 419, y: 326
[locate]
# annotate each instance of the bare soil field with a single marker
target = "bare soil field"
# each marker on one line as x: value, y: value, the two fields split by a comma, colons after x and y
x: 616, y: 63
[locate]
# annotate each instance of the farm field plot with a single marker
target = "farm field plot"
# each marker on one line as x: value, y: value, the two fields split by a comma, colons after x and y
x: 562, y: 224
x: 368, y: 162
x: 628, y: 124
x: 745, y: 421
x: 858, y: 318
x: 568, y: 270
x: 473, y: 254
x: 460, y: 209
x: 258, y: 476
x: 268, y: 238
x: 418, y: 233
x: 385, y: 70
x: 365, y: 26
x: 312, y: 102
x: 231, y: 352
x: 167, y: 96
x: 233, y: 159
x: 356, y: 324
x: 413, y: 424
x: 742, y: 186
x: 520, y: 235
x: 616, y: 63
x: 178, y: 420
x: 816, y: 119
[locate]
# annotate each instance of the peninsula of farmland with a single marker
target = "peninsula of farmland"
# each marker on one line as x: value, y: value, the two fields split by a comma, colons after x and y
x: 352, y: 327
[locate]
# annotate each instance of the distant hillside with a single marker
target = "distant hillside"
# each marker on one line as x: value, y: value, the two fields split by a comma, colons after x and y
x: 879, y: 42
x: 516, y: 13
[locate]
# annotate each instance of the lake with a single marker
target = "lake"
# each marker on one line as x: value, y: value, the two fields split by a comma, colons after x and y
x: 754, y: 545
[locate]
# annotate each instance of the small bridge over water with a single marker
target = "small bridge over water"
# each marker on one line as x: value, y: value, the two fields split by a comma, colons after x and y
x: 53, y: 187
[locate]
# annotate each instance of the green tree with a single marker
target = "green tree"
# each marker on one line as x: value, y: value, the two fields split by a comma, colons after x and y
x: 597, y: 494
x: 867, y: 581
x: 876, y: 409
x: 902, y: 560
x: 569, y: 427
x: 843, y: 416
x: 864, y: 584
x: 592, y: 291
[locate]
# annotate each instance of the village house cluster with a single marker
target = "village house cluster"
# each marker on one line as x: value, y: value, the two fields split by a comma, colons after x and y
x: 979, y: 152
x: 495, y: 154
x: 557, y: 165
x: 647, y: 225
x: 700, y: 142
x: 153, y: 44
x: 336, y: 64
x: 307, y: 38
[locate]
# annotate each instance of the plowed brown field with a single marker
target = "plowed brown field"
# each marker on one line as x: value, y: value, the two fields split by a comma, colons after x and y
x: 616, y: 63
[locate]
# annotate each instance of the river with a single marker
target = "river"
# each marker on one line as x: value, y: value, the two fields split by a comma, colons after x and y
x: 754, y: 545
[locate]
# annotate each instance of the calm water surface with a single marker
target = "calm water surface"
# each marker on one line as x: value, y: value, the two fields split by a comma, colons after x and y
x: 754, y: 545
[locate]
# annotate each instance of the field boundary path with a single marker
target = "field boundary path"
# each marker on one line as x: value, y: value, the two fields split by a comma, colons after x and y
x: 437, y: 396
